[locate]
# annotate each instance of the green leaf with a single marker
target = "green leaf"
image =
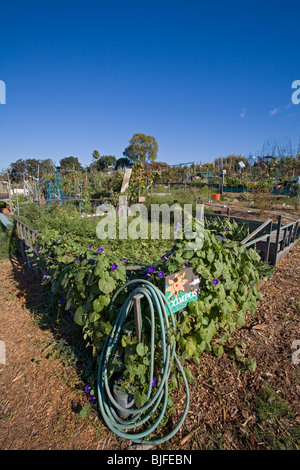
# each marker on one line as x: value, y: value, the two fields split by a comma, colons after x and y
x: 237, y: 352
x: 80, y: 277
x: 188, y: 374
x: 106, y: 284
x: 181, y: 343
x: 221, y: 293
x: 141, y: 349
x: 104, y: 299
x: 174, y: 380
x: 85, y: 411
x: 139, y: 398
x: 79, y: 316
x: 187, y: 254
x: 200, y: 348
x: 210, y: 256
x: 94, y: 316
x: 101, y: 266
x: 218, y: 350
x: 208, y: 332
x: 190, y: 345
x: 97, y: 305
x: 251, y: 365
x: 67, y: 259
x: 224, y: 338
x: 119, y: 273
x: 260, y: 296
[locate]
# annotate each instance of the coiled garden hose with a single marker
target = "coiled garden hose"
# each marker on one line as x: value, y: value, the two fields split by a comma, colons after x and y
x: 158, y: 303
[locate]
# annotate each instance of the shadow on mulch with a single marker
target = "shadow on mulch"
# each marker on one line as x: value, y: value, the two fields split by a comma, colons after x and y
x: 67, y: 335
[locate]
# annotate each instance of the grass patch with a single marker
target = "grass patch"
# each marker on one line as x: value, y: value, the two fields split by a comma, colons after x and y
x: 275, y: 427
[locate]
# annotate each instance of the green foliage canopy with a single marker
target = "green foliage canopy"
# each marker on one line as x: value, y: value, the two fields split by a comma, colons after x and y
x: 141, y: 148
x: 70, y: 163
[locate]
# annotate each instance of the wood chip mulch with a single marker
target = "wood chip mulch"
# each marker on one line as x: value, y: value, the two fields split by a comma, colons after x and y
x: 41, y: 394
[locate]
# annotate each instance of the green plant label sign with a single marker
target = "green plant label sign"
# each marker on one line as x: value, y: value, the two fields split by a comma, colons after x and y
x: 181, y: 288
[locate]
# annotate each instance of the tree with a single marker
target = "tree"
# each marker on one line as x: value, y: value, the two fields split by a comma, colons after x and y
x: 96, y: 155
x: 141, y: 148
x: 105, y: 161
x: 32, y: 166
x: 123, y: 162
x: 46, y: 166
x: 16, y: 170
x: 70, y: 163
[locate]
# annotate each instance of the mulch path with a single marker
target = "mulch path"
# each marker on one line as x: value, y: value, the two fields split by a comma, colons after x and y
x: 41, y: 394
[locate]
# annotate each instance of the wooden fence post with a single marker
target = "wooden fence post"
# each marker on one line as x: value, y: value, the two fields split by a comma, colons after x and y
x: 277, y: 240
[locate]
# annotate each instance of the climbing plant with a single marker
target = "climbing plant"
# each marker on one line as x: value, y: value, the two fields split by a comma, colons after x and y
x: 82, y: 280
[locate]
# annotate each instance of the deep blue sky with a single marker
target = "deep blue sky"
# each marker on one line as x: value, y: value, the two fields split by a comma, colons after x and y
x: 206, y: 79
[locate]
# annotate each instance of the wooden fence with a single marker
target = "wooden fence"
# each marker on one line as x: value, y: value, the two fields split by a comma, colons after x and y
x: 26, y: 236
x: 275, y: 243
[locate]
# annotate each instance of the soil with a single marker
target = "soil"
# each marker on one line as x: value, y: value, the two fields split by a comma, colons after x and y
x: 42, y: 393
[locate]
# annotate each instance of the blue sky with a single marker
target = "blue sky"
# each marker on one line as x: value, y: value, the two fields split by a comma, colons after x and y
x: 206, y: 79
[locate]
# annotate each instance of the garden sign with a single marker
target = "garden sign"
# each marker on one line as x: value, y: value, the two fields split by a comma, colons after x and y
x: 181, y: 288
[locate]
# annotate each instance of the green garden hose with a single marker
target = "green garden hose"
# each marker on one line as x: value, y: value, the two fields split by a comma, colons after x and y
x: 157, y: 303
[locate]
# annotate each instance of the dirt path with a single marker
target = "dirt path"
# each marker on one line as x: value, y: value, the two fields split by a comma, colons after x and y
x: 41, y: 394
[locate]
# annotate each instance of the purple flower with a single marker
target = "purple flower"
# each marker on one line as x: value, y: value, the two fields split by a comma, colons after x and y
x: 37, y: 252
x: 57, y: 241
x: 164, y: 257
x: 150, y: 270
x: 75, y: 260
x: 161, y: 274
x: 100, y: 250
x: 226, y: 229
x: 215, y: 282
x: 124, y: 259
x: 47, y: 256
x: 186, y: 263
x: 87, y: 389
x: 62, y: 300
x: 92, y: 399
x: 44, y: 277
x: 154, y: 382
x: 114, y: 266
x: 119, y: 356
x: 35, y: 235
x: 90, y: 246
